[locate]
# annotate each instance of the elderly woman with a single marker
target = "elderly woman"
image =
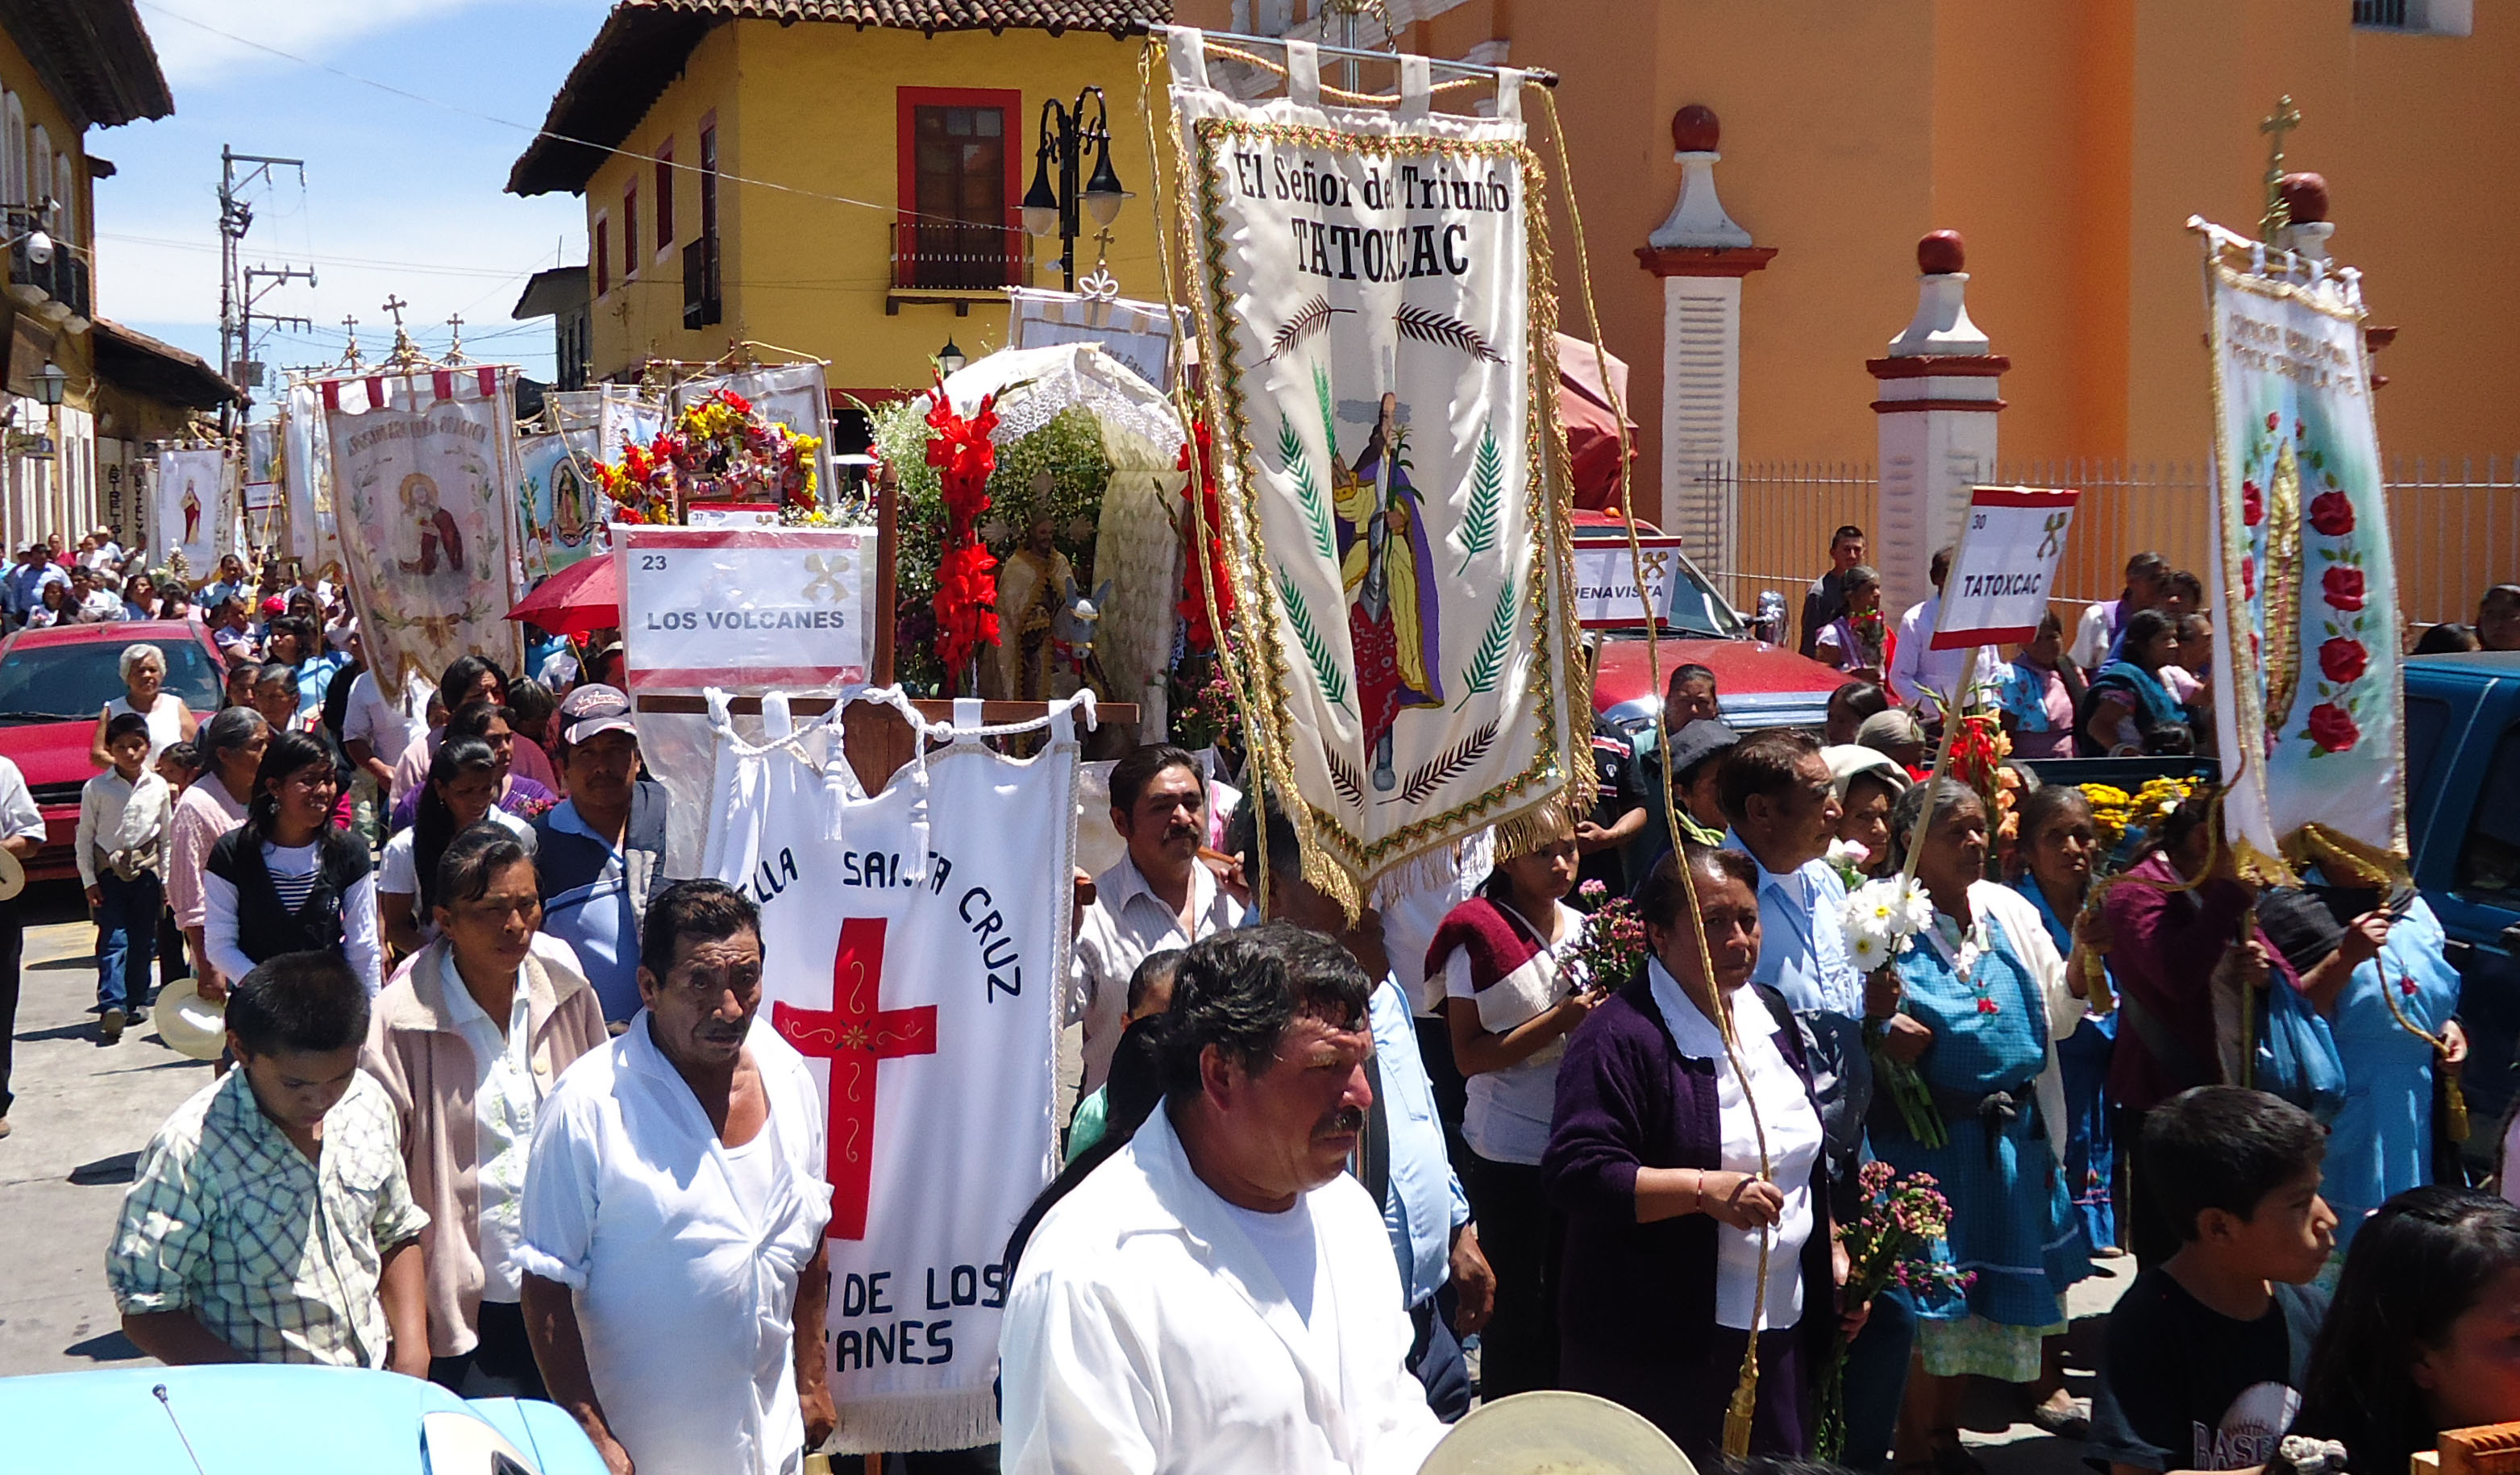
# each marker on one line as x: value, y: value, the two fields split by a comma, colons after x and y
x: 1979, y: 997
x: 1655, y: 1157
x: 232, y: 746
x: 143, y: 692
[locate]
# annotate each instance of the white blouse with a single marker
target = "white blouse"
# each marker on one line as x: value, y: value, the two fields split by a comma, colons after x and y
x: 1793, y: 1148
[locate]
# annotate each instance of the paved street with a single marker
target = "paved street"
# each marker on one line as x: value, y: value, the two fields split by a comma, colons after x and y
x: 83, y: 1112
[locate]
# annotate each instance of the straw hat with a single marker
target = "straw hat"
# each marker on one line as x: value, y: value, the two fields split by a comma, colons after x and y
x: 190, y: 1024
x: 1557, y: 1433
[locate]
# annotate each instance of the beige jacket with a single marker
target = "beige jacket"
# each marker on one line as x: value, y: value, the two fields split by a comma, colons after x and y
x: 427, y: 1069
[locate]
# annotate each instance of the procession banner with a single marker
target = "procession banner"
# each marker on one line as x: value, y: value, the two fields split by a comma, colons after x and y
x: 422, y: 469
x: 1380, y: 361
x: 915, y: 947
x: 1607, y: 595
x: 306, y: 479
x: 745, y: 606
x: 560, y: 511
x: 190, y: 496
x: 1140, y: 334
x: 2307, y: 699
x: 1995, y: 592
x: 787, y: 394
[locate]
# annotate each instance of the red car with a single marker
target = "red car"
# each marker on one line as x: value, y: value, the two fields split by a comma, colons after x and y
x: 53, y: 683
x: 1757, y: 684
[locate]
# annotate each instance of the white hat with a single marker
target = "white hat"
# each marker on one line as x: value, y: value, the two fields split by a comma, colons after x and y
x: 190, y: 1024
x: 1555, y: 1432
x: 1847, y: 759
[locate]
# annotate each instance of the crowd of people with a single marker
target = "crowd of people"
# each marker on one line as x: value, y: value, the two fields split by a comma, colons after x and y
x: 1319, y: 1160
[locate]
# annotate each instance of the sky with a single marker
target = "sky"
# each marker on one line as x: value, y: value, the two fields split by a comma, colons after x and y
x: 403, y: 194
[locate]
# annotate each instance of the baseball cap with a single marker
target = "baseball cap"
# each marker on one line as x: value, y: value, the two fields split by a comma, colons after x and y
x: 1697, y: 742
x: 594, y: 708
x: 275, y: 605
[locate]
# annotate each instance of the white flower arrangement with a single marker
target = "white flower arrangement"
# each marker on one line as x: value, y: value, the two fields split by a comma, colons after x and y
x: 1879, y: 918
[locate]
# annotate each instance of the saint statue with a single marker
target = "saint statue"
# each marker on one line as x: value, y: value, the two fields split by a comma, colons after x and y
x: 436, y: 525
x: 1032, y: 586
x: 1390, y: 572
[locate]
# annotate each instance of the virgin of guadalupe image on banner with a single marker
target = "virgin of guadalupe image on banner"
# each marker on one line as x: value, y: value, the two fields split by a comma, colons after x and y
x: 423, y: 466
x: 555, y: 506
x: 2307, y: 698
x: 915, y: 950
x: 1375, y: 318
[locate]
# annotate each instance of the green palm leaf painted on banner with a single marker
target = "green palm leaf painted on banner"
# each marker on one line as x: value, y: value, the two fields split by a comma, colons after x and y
x: 1487, y: 662
x: 1487, y: 496
x: 1316, y: 650
x: 1308, y: 489
x: 1329, y: 416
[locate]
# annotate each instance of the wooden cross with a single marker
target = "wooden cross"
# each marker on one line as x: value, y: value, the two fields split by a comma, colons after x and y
x: 395, y: 304
x: 2285, y: 118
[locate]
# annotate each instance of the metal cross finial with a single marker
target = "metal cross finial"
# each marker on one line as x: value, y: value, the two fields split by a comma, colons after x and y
x: 350, y: 352
x: 455, y: 340
x: 395, y: 305
x: 2285, y: 118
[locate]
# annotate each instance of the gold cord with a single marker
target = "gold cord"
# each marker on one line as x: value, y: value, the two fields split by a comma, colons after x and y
x: 1738, y: 1417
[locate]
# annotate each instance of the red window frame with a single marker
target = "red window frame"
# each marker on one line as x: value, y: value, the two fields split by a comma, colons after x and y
x: 907, y: 103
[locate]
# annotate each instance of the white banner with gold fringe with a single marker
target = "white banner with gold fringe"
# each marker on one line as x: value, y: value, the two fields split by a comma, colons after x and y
x: 1375, y: 312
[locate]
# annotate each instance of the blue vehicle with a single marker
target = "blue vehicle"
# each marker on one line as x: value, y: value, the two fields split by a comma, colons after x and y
x: 247, y: 1418
x: 2463, y: 826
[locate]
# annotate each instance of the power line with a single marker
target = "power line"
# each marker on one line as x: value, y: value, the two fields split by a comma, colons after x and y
x: 722, y: 177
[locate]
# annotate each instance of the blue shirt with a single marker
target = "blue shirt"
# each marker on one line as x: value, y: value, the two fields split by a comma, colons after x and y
x: 1802, y: 949
x: 598, y: 920
x: 25, y: 587
x: 1424, y: 1202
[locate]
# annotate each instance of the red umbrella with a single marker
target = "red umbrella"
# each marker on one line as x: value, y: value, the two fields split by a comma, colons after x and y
x: 576, y: 601
x: 1592, y: 431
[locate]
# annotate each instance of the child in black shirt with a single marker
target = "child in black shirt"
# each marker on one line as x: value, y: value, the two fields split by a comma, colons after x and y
x: 2206, y: 1354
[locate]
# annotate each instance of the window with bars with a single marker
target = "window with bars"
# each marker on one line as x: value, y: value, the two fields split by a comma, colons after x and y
x: 955, y: 231
x: 2421, y: 18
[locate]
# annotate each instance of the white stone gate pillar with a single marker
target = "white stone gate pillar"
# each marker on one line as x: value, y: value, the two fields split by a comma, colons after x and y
x: 1937, y: 407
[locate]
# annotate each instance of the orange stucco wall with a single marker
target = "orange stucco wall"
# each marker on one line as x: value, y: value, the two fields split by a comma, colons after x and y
x: 2069, y: 143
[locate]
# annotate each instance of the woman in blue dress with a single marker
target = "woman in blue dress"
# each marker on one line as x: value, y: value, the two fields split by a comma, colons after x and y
x: 1981, y: 994
x: 2060, y: 843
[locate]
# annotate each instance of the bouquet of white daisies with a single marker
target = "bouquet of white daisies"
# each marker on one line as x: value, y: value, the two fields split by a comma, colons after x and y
x: 1878, y: 922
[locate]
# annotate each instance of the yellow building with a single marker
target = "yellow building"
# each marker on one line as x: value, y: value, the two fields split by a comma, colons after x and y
x: 67, y: 66
x: 840, y: 178
x: 2068, y: 140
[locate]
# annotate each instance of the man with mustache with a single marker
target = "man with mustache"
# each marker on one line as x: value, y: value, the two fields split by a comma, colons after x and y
x: 675, y: 1278
x: 1157, y: 897
x: 1220, y: 1296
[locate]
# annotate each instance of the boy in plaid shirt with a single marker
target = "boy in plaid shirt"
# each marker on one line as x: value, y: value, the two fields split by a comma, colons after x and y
x: 270, y: 1219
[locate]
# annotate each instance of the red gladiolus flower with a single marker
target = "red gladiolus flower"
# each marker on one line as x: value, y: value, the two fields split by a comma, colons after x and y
x: 2332, y: 728
x: 2331, y: 513
x: 2343, y: 660
x: 2272, y: 418
x: 2343, y: 588
x: 2253, y: 504
x: 2249, y: 579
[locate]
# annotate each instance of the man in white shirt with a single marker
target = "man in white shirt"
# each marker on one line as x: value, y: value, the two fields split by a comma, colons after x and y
x: 676, y: 1277
x: 1219, y: 1295
x: 1924, y: 678
x: 1158, y: 896
x: 90, y: 603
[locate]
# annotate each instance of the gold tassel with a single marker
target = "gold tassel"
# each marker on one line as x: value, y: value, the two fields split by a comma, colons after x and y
x: 2454, y: 1124
x: 1745, y: 1392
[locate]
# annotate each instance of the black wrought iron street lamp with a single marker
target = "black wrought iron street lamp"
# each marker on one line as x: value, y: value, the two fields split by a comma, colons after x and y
x: 1049, y: 210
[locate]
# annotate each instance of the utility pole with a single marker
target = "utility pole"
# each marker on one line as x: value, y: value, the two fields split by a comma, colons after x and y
x: 236, y: 291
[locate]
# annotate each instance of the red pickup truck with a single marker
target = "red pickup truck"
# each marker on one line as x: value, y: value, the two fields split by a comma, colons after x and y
x: 53, y: 683
x: 1757, y: 684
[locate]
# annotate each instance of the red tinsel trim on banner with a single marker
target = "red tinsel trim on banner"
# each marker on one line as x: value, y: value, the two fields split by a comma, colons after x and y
x: 967, y: 582
x: 1205, y: 515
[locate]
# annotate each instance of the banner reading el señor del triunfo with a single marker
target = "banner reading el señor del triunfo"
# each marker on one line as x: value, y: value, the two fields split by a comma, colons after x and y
x: 1374, y: 323
x: 2307, y: 698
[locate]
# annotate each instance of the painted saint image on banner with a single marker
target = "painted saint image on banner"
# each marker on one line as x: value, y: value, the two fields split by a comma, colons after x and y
x: 1388, y: 567
x: 570, y: 521
x: 191, y: 512
x: 434, y: 526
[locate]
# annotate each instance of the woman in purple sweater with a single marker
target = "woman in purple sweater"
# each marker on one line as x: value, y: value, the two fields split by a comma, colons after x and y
x: 1654, y: 1158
